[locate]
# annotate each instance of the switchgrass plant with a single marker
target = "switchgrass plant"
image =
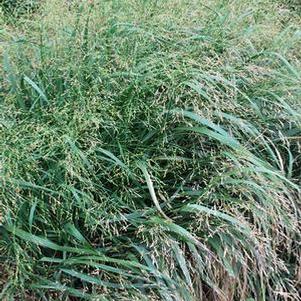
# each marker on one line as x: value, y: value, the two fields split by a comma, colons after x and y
x: 150, y: 150
x: 16, y: 8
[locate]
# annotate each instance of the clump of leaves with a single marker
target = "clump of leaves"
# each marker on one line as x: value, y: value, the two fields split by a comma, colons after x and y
x: 18, y: 7
x: 150, y: 150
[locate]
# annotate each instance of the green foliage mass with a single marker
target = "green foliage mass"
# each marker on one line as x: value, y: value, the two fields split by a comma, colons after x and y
x: 150, y: 150
x: 18, y: 7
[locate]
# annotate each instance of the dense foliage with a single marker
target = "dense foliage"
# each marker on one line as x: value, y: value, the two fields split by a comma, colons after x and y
x: 18, y: 7
x: 150, y: 150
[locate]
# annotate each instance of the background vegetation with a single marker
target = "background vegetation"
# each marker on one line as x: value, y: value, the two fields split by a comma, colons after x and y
x: 150, y: 150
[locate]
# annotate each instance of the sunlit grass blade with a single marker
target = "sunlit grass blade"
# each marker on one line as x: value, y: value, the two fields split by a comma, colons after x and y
x: 152, y: 190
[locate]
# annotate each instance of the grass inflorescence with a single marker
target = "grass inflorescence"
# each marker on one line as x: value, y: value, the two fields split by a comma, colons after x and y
x: 150, y: 150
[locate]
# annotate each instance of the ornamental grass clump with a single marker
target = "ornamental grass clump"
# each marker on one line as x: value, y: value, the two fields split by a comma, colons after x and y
x: 150, y: 150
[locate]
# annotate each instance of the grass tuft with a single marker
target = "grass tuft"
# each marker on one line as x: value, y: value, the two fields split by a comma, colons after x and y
x: 150, y: 150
